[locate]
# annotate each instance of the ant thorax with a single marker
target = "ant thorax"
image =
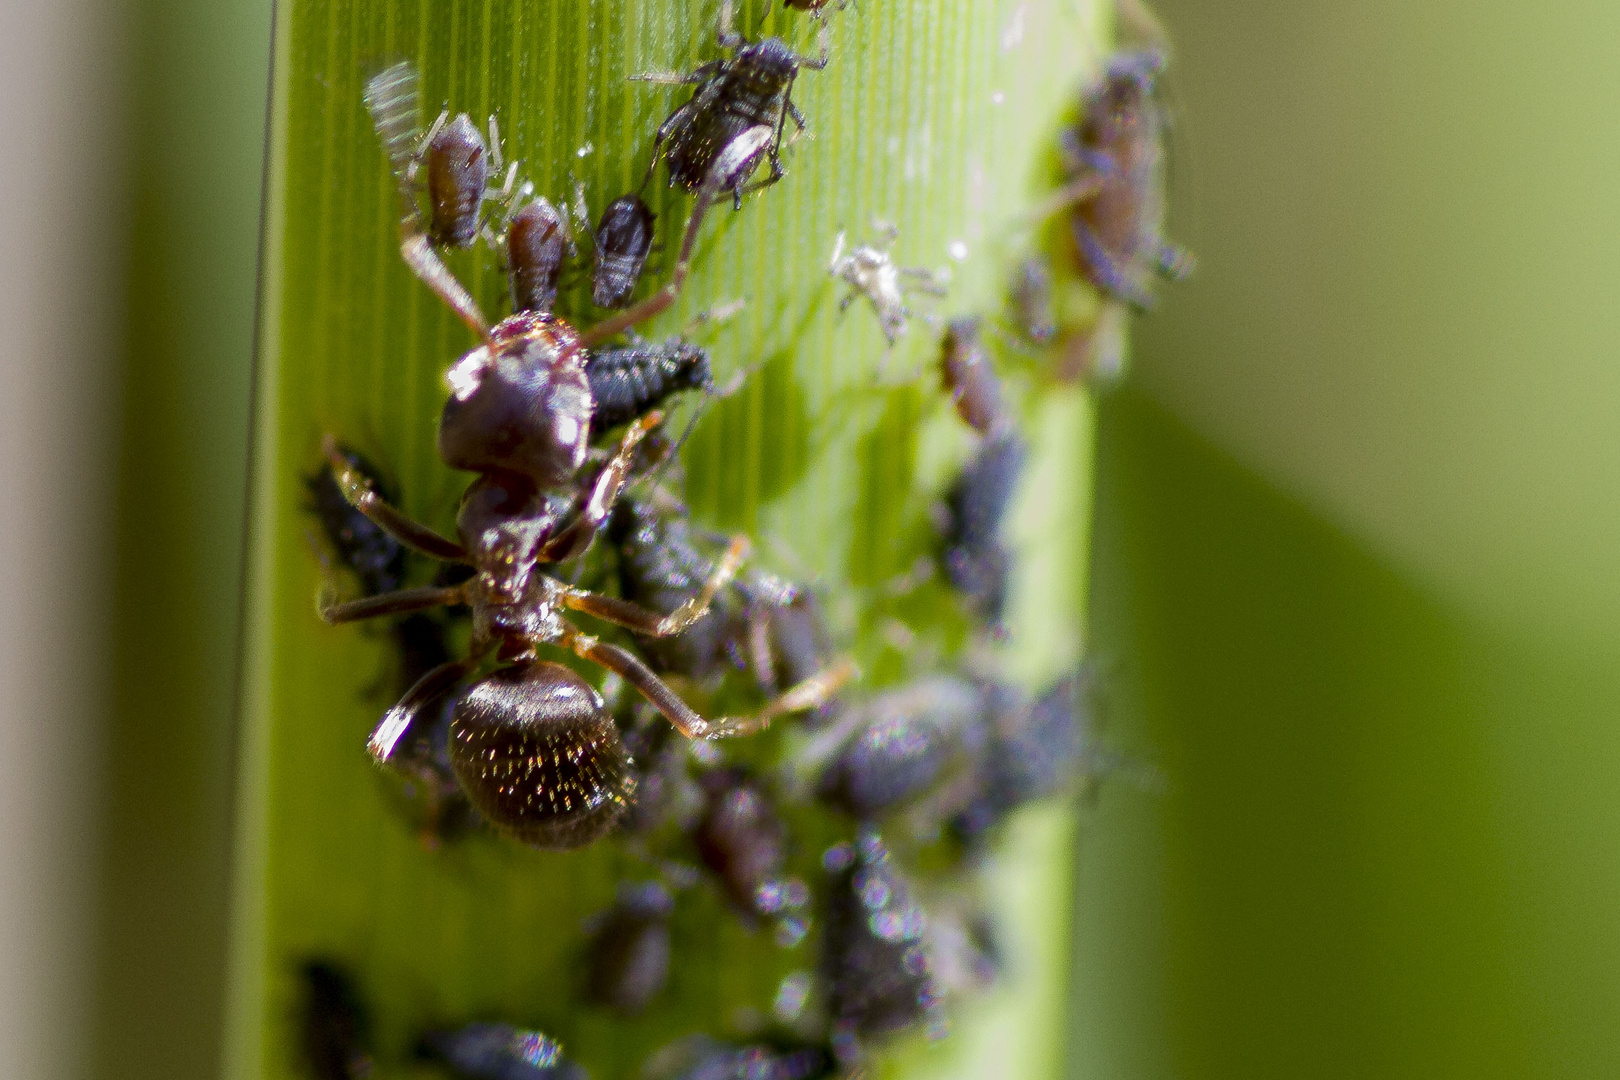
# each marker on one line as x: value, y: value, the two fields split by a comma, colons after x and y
x: 521, y: 622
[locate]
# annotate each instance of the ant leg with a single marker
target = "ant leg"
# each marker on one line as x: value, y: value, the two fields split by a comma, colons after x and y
x: 397, y: 720
x: 398, y: 602
x: 650, y: 623
x: 609, y: 483
x: 805, y: 695
x: 417, y: 251
x: 414, y: 535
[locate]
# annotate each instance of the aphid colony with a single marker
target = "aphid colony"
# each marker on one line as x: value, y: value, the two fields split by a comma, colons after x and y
x: 562, y: 429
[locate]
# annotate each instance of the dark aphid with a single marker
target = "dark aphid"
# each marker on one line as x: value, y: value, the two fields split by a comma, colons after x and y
x: 871, y: 272
x: 1032, y: 300
x: 377, y: 559
x: 1035, y: 749
x: 970, y: 379
x: 628, y: 964
x: 334, y: 1029
x: 1116, y: 164
x: 894, y: 760
x: 536, y: 244
x: 976, y: 562
x: 661, y: 568
x: 623, y: 238
x: 743, y: 841
x: 628, y: 380
x: 896, y: 747
x: 750, y: 89
x: 875, y: 957
x: 501, y: 1052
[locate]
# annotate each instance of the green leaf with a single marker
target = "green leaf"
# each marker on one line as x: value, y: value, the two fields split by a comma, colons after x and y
x: 935, y: 116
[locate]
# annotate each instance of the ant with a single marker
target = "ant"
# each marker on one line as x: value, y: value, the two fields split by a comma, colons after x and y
x: 751, y: 88
x: 531, y: 743
x: 871, y: 272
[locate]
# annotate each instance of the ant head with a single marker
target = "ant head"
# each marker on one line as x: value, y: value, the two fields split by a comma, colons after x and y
x: 539, y: 756
x: 521, y: 404
x: 457, y: 174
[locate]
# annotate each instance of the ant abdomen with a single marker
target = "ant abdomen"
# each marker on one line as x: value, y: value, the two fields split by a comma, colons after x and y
x: 539, y: 756
x: 458, y: 173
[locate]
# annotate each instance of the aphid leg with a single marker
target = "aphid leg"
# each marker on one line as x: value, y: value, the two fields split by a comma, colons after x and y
x: 724, y: 35
x: 678, y: 78
x: 795, y: 115
x: 825, y: 41
x: 926, y: 281
x: 408, y: 177
x: 398, y: 602
x: 650, y: 623
x: 397, y: 720
x: 1109, y: 274
x: 1174, y: 262
x: 424, y: 262
x: 1071, y: 194
x: 610, y: 482
x: 413, y: 534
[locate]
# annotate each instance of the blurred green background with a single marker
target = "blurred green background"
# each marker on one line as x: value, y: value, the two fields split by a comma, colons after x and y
x: 1356, y: 563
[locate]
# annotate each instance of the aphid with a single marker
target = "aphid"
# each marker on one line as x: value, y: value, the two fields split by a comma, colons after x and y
x: 628, y: 963
x: 977, y: 564
x: 628, y: 380
x: 334, y: 1029
x: 458, y: 165
x: 1035, y: 749
x: 1032, y: 300
x: 378, y: 561
x: 1116, y: 182
x: 501, y: 1052
x: 536, y: 241
x: 871, y: 273
x: 875, y: 958
x: 742, y: 839
x: 971, y: 381
x: 753, y: 88
x: 622, y: 240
